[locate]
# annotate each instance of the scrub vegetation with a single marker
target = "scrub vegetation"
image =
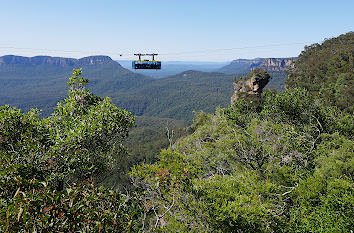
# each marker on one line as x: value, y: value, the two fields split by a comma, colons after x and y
x: 281, y: 163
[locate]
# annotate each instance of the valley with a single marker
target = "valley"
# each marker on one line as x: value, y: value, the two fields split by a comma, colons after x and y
x: 39, y: 82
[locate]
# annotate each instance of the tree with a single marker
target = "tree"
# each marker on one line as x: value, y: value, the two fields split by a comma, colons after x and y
x: 48, y: 166
x: 86, y: 133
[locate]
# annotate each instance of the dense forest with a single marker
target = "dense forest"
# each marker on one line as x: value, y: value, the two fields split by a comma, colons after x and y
x: 279, y: 162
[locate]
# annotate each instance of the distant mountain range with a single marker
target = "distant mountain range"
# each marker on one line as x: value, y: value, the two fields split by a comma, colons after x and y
x: 269, y: 64
x: 235, y: 67
x: 28, y: 82
x: 57, y: 61
x: 174, y: 67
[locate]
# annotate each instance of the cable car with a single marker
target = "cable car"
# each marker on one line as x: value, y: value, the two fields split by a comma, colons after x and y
x: 146, y: 64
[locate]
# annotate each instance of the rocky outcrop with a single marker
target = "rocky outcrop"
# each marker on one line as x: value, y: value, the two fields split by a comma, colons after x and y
x: 56, y: 61
x: 251, y: 86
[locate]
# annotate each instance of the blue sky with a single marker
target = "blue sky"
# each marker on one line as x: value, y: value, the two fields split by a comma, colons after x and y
x: 190, y: 30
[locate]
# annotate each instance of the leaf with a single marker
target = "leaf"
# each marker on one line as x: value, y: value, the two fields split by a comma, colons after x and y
x: 17, y: 192
x: 60, y: 214
x: 19, y: 214
x: 44, y: 184
x: 46, y: 209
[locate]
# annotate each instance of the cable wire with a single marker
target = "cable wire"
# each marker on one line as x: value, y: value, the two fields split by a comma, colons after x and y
x: 162, y: 54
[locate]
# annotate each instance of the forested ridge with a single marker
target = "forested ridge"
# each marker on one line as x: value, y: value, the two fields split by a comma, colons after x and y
x: 326, y: 71
x: 279, y: 162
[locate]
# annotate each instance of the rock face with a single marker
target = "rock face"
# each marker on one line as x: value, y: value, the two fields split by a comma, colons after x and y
x: 251, y: 86
x: 56, y: 61
x: 275, y: 64
x: 268, y: 64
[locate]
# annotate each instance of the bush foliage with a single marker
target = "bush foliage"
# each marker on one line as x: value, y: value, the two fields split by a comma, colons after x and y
x: 48, y: 166
x: 326, y: 71
x: 280, y: 169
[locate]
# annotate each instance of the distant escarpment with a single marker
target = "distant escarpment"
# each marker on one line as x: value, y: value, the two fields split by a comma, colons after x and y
x: 268, y: 64
x: 251, y: 86
x: 57, y: 61
x: 275, y: 64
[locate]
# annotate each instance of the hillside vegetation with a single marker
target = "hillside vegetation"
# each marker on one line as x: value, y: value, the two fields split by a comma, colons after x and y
x: 145, y: 141
x: 279, y: 162
x: 284, y: 163
x: 285, y: 168
x: 326, y: 71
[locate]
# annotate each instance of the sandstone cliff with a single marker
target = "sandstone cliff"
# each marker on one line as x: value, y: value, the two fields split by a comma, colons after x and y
x: 251, y: 86
x: 275, y: 64
x: 246, y: 65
